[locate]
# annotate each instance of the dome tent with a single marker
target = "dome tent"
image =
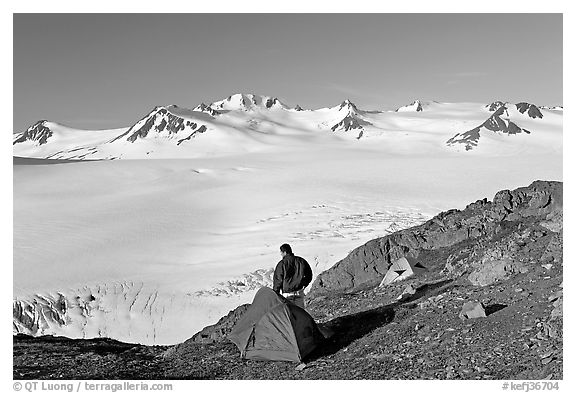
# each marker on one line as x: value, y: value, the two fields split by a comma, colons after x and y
x: 401, y: 269
x: 275, y: 329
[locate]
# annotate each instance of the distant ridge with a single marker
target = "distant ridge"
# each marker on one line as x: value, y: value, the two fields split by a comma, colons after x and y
x: 241, y: 121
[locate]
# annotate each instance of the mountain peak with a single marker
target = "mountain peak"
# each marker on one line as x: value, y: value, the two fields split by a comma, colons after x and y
x: 166, y: 120
x: 247, y: 102
x: 495, y: 123
x: 414, y: 106
x: 38, y: 132
x: 496, y: 105
x: 206, y: 109
x: 348, y: 105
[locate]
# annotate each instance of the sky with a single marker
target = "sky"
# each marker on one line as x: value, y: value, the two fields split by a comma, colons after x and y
x: 97, y: 71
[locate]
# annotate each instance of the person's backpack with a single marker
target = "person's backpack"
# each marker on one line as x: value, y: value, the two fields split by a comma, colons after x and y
x: 301, y: 278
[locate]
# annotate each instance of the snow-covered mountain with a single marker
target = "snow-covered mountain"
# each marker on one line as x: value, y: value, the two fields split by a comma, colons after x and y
x: 500, y: 122
x: 167, y: 123
x: 352, y: 118
x: 415, y: 106
x: 38, y: 133
x: 248, y: 122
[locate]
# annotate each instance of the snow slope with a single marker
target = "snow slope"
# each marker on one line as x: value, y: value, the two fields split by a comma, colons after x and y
x: 151, y: 251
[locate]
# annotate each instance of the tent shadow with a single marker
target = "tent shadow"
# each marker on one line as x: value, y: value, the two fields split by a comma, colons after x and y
x: 343, y: 330
x: 492, y: 308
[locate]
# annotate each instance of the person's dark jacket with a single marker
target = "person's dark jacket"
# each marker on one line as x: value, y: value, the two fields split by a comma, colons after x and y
x: 290, y: 273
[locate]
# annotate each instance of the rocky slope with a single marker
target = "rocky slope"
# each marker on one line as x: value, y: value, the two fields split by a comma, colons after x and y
x: 162, y: 120
x: 488, y: 306
x: 434, y: 242
x: 37, y: 132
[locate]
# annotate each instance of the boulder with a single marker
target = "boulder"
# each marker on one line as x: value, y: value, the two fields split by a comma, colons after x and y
x: 408, y: 291
x: 557, y: 310
x: 491, y: 271
x: 472, y: 310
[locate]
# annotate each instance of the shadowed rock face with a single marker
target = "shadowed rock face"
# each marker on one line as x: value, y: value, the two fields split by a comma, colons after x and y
x: 247, y: 102
x: 37, y: 132
x: 367, y: 264
x: 349, y: 106
x: 200, y: 130
x: 270, y: 102
x: 170, y: 123
x: 159, y: 120
x: 207, y: 109
x: 494, y: 123
x: 352, y: 120
x: 493, y: 107
x: 532, y: 109
x: 348, y: 123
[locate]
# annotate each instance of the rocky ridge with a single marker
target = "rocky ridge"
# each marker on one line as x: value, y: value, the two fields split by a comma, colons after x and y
x: 480, y: 223
x: 38, y: 132
x: 162, y: 120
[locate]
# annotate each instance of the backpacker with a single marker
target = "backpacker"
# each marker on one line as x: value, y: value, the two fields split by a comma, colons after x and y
x: 301, y: 277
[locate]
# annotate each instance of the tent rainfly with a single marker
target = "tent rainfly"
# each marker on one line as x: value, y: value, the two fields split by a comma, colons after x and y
x: 275, y: 329
x: 401, y: 269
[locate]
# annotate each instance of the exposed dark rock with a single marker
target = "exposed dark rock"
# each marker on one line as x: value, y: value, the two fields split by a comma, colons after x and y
x: 495, y: 106
x: 367, y: 264
x: 200, y: 130
x: 247, y: 102
x: 207, y: 109
x: 494, y: 123
x: 532, y: 109
x: 165, y: 120
x: 350, y: 122
x: 349, y: 106
x: 270, y: 102
x: 37, y: 132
